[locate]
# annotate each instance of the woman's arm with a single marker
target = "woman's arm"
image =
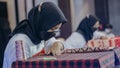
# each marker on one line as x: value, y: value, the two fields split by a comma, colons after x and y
x: 75, y: 40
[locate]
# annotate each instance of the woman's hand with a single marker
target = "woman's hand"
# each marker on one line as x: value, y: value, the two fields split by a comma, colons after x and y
x: 103, y: 37
x: 56, y: 48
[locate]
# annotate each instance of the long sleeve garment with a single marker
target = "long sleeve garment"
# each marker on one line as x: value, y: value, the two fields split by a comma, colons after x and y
x: 75, y: 40
x: 29, y: 48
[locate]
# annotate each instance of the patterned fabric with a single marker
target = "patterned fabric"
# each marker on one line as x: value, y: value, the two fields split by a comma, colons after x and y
x: 85, y: 50
x: 104, y: 44
x: 77, y: 60
x: 42, y: 52
x: 117, y: 41
x: 117, y: 56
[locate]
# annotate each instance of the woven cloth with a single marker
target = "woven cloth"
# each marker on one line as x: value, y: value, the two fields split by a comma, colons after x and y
x: 77, y: 60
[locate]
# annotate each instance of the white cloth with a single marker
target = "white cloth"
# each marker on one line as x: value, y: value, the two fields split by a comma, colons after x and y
x: 30, y: 48
x: 98, y: 34
x: 75, y: 40
x: 110, y: 35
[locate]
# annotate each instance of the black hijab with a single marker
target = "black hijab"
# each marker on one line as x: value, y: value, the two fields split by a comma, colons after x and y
x: 40, y: 20
x: 86, y: 27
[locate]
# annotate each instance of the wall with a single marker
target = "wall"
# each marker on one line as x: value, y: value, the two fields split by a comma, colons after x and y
x: 29, y: 5
x: 21, y: 10
x: 39, y: 1
x: 11, y: 12
x: 114, y: 15
x: 79, y: 9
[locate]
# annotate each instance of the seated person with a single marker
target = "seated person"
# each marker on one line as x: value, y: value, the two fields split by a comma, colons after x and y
x: 108, y: 31
x: 36, y: 32
x: 99, y: 33
x: 104, y: 33
x: 83, y: 34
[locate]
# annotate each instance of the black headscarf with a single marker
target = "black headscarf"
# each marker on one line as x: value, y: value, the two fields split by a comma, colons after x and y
x: 86, y: 27
x: 40, y: 20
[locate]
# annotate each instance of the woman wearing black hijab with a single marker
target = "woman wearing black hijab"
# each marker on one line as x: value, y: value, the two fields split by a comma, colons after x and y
x: 40, y: 26
x: 83, y: 34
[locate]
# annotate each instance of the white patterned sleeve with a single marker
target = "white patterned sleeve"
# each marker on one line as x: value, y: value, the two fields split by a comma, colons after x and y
x: 75, y: 40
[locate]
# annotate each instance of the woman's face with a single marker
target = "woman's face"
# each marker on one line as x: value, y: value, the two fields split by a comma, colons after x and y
x: 96, y: 25
x: 55, y: 28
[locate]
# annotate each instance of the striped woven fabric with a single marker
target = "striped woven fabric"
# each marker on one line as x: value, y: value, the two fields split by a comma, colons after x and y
x: 117, y: 55
x: 76, y: 60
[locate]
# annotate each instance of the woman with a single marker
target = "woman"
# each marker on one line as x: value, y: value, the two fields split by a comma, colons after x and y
x: 40, y: 26
x: 83, y: 34
x: 108, y: 31
x: 99, y: 34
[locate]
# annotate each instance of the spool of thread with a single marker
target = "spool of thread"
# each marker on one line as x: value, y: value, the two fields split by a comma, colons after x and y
x: 20, y: 54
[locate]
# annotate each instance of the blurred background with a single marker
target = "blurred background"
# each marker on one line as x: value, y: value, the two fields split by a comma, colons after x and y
x: 75, y: 10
